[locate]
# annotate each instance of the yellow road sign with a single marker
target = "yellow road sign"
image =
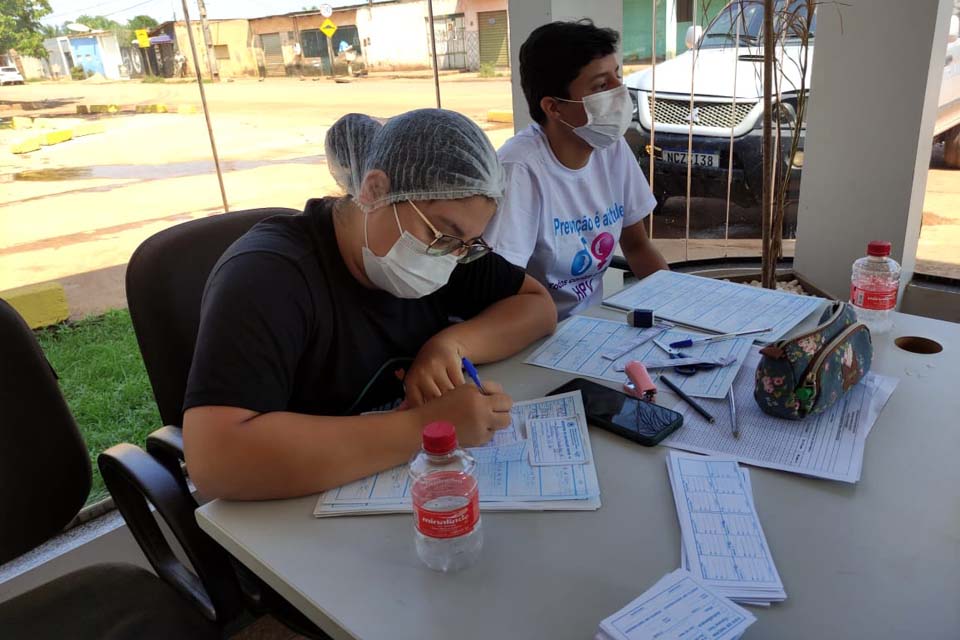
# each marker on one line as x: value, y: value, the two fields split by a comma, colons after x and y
x: 143, y: 39
x: 328, y: 28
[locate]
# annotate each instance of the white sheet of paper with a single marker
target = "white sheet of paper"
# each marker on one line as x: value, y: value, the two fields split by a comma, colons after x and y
x: 716, y: 305
x: 505, y: 482
x: 503, y: 453
x: 580, y: 342
x: 829, y: 445
x: 721, y: 533
x: 555, y: 441
x: 678, y: 606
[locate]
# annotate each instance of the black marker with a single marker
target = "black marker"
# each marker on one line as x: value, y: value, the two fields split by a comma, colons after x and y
x: 690, y: 401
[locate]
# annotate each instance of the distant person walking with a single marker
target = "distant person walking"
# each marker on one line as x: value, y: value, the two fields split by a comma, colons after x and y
x: 298, y: 59
x: 179, y: 65
x: 261, y: 64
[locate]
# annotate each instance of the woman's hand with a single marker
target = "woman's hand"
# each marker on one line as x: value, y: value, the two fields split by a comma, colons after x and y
x: 436, y: 370
x: 476, y: 416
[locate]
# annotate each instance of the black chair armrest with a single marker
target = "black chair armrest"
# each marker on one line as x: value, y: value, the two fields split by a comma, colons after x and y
x: 166, y: 445
x: 136, y: 480
x: 619, y: 262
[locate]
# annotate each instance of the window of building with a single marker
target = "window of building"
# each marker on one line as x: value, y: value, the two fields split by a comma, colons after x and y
x: 222, y: 51
x: 684, y: 10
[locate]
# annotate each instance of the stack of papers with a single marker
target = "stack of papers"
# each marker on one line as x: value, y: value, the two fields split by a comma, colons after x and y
x: 722, y: 542
x: 827, y: 445
x: 677, y: 607
x: 716, y: 305
x: 541, y: 461
x: 599, y: 348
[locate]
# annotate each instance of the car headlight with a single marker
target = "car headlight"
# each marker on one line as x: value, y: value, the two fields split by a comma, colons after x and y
x: 636, y: 103
x: 783, y: 112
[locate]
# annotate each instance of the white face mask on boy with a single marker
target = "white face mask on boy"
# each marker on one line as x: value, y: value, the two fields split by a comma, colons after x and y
x: 407, y: 271
x: 608, y: 116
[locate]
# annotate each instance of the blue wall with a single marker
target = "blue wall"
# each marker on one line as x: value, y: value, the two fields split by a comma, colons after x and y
x: 86, y: 53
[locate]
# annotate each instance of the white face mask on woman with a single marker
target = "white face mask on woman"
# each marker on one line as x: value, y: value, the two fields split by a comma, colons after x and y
x: 407, y: 271
x: 608, y: 116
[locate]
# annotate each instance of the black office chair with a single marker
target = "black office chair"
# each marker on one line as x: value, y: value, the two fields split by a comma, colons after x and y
x: 165, y: 280
x: 44, y: 481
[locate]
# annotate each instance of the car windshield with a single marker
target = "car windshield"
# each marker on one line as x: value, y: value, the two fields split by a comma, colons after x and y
x: 723, y: 31
x: 8, y: 69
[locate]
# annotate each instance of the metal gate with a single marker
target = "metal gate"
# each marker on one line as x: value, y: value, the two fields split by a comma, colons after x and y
x: 494, y: 47
x: 450, y: 35
x: 273, y: 54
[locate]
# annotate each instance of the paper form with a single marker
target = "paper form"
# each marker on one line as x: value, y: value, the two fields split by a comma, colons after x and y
x: 504, y: 453
x: 745, y: 474
x: 714, y: 304
x: 678, y: 606
x: 507, y: 480
x: 555, y: 441
x: 828, y: 445
x: 721, y: 533
x: 580, y: 342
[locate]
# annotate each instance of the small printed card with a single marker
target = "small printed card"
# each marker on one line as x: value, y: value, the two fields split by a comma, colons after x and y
x: 555, y: 441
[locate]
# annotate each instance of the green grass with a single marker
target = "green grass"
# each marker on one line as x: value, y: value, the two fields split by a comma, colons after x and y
x: 105, y: 383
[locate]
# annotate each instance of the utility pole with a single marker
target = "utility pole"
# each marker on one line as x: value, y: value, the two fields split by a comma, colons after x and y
x: 433, y: 52
x: 206, y: 111
x: 208, y: 41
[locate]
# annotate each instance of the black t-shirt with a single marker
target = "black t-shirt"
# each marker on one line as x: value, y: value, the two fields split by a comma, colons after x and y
x: 284, y: 326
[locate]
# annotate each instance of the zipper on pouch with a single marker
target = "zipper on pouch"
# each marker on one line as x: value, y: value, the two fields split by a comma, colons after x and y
x: 812, y: 375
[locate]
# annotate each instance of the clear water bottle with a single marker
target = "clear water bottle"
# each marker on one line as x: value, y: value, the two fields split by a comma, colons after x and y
x: 874, y: 285
x: 446, y: 501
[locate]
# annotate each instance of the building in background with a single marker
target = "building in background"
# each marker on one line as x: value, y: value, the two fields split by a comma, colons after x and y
x: 385, y: 35
x: 232, y: 44
x: 673, y: 19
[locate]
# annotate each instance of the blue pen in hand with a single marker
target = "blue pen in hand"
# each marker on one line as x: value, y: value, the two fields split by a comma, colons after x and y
x: 472, y: 374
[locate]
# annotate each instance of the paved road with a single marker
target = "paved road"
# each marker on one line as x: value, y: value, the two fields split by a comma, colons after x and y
x: 82, y: 207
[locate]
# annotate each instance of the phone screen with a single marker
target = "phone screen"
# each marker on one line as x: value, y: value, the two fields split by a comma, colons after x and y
x: 644, y: 421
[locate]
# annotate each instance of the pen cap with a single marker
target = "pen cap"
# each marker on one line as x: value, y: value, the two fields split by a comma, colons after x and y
x: 439, y: 438
x: 639, y: 377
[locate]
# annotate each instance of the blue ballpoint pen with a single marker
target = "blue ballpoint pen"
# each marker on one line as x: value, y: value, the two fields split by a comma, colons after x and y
x: 472, y: 373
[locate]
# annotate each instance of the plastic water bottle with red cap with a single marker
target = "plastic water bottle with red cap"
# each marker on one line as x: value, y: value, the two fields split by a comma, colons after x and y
x: 874, y: 286
x: 446, y: 501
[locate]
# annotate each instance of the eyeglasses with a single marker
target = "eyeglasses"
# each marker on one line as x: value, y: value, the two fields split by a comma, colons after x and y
x: 443, y: 244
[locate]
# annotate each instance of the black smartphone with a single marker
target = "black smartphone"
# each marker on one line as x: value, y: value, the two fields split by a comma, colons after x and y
x: 643, y: 422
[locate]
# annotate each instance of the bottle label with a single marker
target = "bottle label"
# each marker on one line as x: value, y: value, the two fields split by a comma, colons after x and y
x: 448, y: 523
x: 874, y: 300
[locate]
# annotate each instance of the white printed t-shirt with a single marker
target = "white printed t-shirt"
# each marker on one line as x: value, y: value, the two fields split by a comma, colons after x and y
x: 562, y: 225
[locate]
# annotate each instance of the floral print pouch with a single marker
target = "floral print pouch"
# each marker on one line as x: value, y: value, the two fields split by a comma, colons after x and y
x: 807, y: 374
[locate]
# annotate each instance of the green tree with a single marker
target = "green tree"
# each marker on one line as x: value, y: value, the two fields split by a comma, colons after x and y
x: 20, y: 26
x: 141, y: 22
x: 98, y: 23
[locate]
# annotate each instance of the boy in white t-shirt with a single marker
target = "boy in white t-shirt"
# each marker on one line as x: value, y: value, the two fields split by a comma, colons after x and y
x: 574, y: 189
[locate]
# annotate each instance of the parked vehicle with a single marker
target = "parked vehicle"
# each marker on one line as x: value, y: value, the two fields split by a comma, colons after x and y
x: 726, y: 100
x: 10, y: 75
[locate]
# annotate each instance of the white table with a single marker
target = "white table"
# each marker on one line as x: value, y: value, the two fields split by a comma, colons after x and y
x: 879, y: 559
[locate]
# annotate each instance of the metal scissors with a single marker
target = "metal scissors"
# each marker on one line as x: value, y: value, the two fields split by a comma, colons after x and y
x: 687, y: 369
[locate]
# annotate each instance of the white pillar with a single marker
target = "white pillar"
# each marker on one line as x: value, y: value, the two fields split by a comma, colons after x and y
x: 670, y: 29
x: 872, y: 110
x: 527, y: 15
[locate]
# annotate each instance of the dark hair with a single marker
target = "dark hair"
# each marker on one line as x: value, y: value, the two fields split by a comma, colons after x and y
x: 553, y: 56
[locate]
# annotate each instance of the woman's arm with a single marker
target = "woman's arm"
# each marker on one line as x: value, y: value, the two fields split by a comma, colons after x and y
x: 240, y: 454
x: 497, y: 332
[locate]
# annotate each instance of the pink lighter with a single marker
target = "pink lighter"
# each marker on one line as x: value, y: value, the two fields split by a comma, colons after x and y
x: 641, y: 384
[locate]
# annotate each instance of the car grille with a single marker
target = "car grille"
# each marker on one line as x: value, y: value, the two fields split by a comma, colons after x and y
x: 710, y: 114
